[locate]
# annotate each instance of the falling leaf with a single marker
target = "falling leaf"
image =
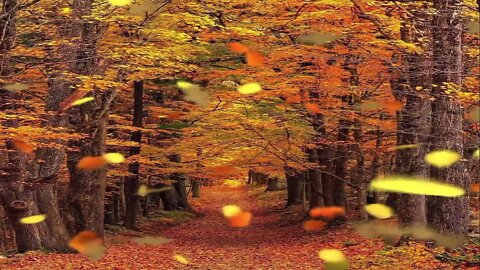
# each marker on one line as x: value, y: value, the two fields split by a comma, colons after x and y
x: 33, y: 219
x: 15, y: 87
x: 241, y: 220
x: 88, y: 243
x: 249, y: 88
x: 255, y: 59
x: 22, y: 146
x: 66, y: 10
x: 82, y: 101
x: 152, y: 240
x: 231, y: 210
x: 174, y: 116
x: 313, y: 225
x: 193, y: 93
x: 473, y: 27
x: 403, y: 147
x: 334, y: 259
x: 442, y: 158
x: 379, y: 210
x: 91, y: 163
x: 312, y: 108
x: 317, y: 38
x: 392, y: 106
x: 181, y: 259
x: 237, y: 47
x: 476, y: 153
x: 415, y: 185
x: 142, y: 191
x: 114, y: 158
x: 327, y: 212
x: 120, y: 3
x: 473, y: 114
x: 475, y: 187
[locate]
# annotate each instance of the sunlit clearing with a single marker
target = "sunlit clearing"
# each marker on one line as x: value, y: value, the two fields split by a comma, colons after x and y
x: 379, y: 210
x: 415, y: 185
x: 181, y: 259
x: 22, y: 146
x: 237, y: 47
x: 313, y: 225
x: 33, y: 219
x: 334, y: 259
x: 82, y: 101
x: 120, y: 3
x: 249, y: 88
x: 114, y: 158
x: 240, y: 220
x: 152, y: 240
x: 442, y: 158
x: 91, y: 163
x: 327, y: 212
x: 231, y: 210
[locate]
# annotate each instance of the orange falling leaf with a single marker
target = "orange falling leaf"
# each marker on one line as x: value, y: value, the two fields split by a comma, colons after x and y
x: 475, y: 187
x: 237, y: 47
x: 241, y: 220
x: 22, y: 146
x: 314, y: 225
x: 91, y: 163
x: 327, y: 212
x: 69, y: 101
x: 174, y: 116
x: 312, y: 108
x: 392, y: 106
x: 84, y: 240
x: 255, y: 59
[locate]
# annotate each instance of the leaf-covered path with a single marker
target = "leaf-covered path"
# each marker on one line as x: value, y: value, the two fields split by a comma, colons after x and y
x: 209, y: 243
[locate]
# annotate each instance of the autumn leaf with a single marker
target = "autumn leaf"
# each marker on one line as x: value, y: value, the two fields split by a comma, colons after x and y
x: 314, y: 225
x: 91, y: 163
x: 334, y: 259
x: 313, y: 108
x: 249, y: 88
x: 392, y: 106
x: 33, y: 219
x: 22, y: 146
x: 88, y: 243
x: 193, y: 93
x: 442, y: 158
x: 114, y: 158
x: 255, y: 59
x: 475, y: 187
x: 181, y: 259
x: 172, y: 116
x: 82, y: 101
x: 237, y: 47
x: 120, y: 3
x: 231, y: 210
x: 327, y: 212
x: 240, y: 220
x: 415, y: 185
x: 379, y: 210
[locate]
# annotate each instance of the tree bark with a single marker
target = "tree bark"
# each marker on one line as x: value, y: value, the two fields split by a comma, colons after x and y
x: 272, y: 183
x: 360, y: 170
x: 339, y: 161
x: 196, y: 189
x: 180, y: 183
x: 448, y: 214
x: 315, y: 181
x: 132, y: 182
x: 294, y: 187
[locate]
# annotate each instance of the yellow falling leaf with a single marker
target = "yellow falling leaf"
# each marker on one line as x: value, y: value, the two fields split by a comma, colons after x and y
x: 184, y: 85
x: 249, y: 88
x: 403, y: 147
x: 379, y: 210
x: 33, y: 219
x: 120, y: 3
x: 415, y: 185
x: 66, y: 10
x: 231, y: 210
x: 142, y: 191
x: 181, y: 259
x: 331, y: 255
x: 82, y: 101
x: 442, y: 158
x: 114, y: 158
x: 476, y: 154
x: 193, y: 93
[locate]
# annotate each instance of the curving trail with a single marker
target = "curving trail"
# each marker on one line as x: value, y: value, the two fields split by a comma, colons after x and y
x: 210, y: 243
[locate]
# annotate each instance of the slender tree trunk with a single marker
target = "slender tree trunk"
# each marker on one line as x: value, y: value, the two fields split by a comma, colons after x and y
x: 373, y: 197
x: 180, y: 183
x: 339, y: 161
x: 196, y: 189
x: 315, y: 181
x: 448, y: 214
x: 360, y: 171
x: 132, y: 182
x: 294, y: 186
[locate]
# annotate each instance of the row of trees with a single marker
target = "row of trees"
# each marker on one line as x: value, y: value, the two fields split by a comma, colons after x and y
x: 333, y: 103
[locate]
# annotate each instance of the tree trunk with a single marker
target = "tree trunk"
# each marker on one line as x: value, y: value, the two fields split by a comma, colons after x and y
x: 196, y: 189
x: 315, y: 181
x: 413, y: 122
x: 272, y: 184
x: 448, y: 214
x: 132, y: 182
x: 8, y: 28
x: 294, y: 187
x: 340, y: 160
x: 180, y: 183
x: 360, y: 171
x: 170, y: 198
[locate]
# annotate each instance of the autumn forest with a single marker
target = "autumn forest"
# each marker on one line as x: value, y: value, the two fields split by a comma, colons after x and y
x: 239, y: 134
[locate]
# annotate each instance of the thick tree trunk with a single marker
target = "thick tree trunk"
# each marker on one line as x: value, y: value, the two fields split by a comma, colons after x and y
x: 180, y: 183
x: 196, y: 189
x: 170, y: 198
x: 339, y: 161
x: 413, y: 122
x: 295, y: 187
x: 448, y: 214
x: 132, y: 182
x: 272, y: 184
x: 315, y: 181
x: 360, y: 171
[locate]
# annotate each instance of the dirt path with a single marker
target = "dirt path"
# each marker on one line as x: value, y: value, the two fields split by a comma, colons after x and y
x: 210, y: 243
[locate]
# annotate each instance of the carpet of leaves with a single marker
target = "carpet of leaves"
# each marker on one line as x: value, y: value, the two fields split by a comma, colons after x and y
x: 274, y: 240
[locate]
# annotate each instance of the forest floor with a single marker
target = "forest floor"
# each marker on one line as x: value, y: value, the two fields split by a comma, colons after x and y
x: 274, y: 240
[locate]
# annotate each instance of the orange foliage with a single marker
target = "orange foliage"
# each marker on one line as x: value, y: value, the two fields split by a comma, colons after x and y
x: 327, y: 212
x: 91, y: 163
